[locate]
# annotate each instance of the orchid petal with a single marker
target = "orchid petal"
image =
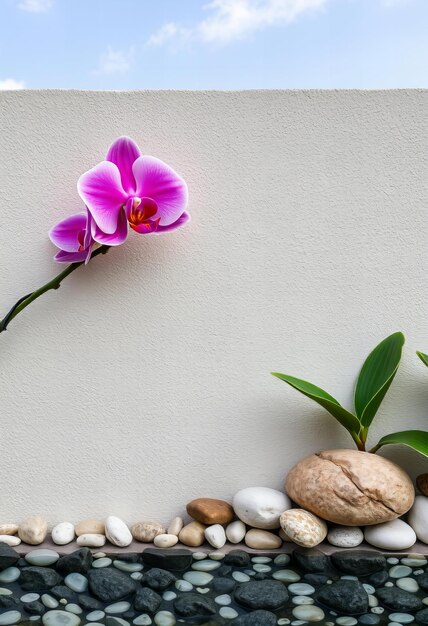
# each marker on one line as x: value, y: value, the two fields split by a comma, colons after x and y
x: 112, y: 239
x: 101, y: 190
x: 123, y: 152
x: 65, y: 234
x: 156, y: 180
x: 71, y: 257
x: 183, y: 219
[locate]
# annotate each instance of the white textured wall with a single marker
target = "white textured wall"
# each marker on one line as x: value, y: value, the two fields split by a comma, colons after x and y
x: 144, y: 381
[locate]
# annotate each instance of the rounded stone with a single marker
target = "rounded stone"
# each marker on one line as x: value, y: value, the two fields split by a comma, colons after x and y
x: 392, y: 535
x: 401, y: 618
x: 235, y: 531
x: 206, y: 565
x: 60, y: 618
x: 165, y: 540
x: 303, y: 527
x: 228, y: 613
x: 117, y: 532
x: 103, y: 562
x: 260, y: 507
x: 63, y: 533
x: 345, y: 536
x: 10, y: 574
x: 143, y: 620
x: 145, y: 532
x: 117, y: 608
x: 33, y: 530
x: 165, y: 618
x: 308, y: 613
x: 193, y: 534
x: 30, y: 597
x: 418, y: 518
x: 42, y: 557
x: 210, y: 511
x: 408, y: 584
x: 72, y: 607
x: 91, y: 540
x: 175, y: 526
x: 264, y: 594
x: 301, y: 589
x: 90, y: 527
x: 262, y: 539
x: 198, y: 578
x: 350, y: 487
x: 10, y: 617
x: 8, y: 529
x: 286, y: 576
x: 95, y: 616
x: 215, y: 535
x: 183, y: 585
x: 49, y: 601
x: 10, y: 540
x: 125, y: 566
x: 76, y: 582
x: 399, y: 571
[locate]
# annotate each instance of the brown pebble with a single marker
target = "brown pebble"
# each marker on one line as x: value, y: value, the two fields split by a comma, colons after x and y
x: 422, y: 484
x: 89, y: 527
x: 193, y: 534
x: 147, y: 531
x: 210, y: 511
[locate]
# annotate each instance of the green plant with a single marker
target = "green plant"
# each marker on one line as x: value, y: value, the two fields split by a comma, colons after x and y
x: 374, y: 380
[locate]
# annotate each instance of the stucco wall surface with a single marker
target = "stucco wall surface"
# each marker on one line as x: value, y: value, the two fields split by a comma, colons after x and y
x: 144, y: 381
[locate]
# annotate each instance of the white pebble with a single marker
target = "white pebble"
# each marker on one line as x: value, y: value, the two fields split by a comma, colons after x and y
x: 91, y: 540
x: 345, y: 536
x: 10, y: 540
x: 117, y: 532
x: 175, y: 526
x: 215, y: 536
x: 63, y: 533
x: 235, y: 531
x: 165, y: 618
x: 393, y: 535
x: 165, y: 540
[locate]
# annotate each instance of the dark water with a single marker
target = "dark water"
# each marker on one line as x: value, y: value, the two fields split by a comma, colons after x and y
x: 165, y: 587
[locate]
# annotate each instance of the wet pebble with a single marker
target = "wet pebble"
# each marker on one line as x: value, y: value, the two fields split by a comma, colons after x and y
x: 74, y: 608
x: 301, y: 589
x: 102, y: 562
x: 143, y: 620
x: 165, y: 618
x: 308, y: 613
x: 399, y: 571
x: 49, y: 601
x: 117, y: 607
x: 95, y: 616
x: 408, y: 584
x: 183, y: 585
x: 124, y: 566
x: 206, y: 565
x: 223, y: 600
x: 60, y: 618
x: 228, y: 613
x: 198, y: 578
x: 10, y: 617
x: 286, y: 575
x: 401, y: 618
x: 30, y: 597
x: 9, y: 575
x: 76, y: 582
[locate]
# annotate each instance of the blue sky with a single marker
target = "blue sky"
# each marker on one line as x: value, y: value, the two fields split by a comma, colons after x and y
x: 213, y: 44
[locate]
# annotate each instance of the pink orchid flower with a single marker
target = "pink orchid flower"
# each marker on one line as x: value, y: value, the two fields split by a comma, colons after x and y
x: 73, y: 237
x: 128, y: 189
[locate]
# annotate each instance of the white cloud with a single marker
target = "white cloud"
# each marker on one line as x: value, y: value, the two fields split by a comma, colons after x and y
x: 36, y: 6
x: 228, y: 20
x: 10, y: 84
x: 116, y: 61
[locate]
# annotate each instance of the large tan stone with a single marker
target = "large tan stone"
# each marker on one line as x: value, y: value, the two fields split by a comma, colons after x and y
x: 350, y: 487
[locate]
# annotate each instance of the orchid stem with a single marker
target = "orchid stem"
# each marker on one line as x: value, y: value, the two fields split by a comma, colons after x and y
x: 55, y: 283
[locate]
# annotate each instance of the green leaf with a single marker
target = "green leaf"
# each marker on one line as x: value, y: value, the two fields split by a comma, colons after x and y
x: 416, y: 439
x: 347, y: 419
x: 423, y: 357
x: 376, y: 376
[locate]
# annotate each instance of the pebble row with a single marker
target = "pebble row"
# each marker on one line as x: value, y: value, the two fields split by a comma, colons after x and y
x: 260, y: 517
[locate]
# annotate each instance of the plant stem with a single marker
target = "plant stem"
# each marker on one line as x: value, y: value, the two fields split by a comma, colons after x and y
x: 360, y: 444
x: 55, y: 283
